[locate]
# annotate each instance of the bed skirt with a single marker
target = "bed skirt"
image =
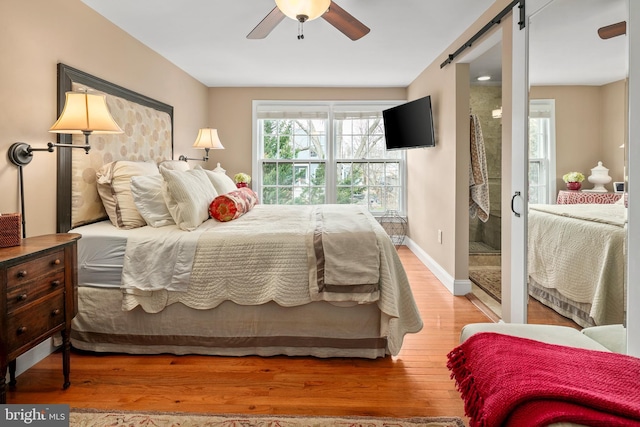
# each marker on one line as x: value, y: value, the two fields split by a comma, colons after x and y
x: 318, y: 329
x: 576, y: 311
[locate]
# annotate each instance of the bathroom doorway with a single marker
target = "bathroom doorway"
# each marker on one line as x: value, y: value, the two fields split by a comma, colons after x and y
x: 485, y: 214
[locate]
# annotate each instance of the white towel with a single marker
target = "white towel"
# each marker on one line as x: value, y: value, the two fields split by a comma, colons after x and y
x: 478, y: 176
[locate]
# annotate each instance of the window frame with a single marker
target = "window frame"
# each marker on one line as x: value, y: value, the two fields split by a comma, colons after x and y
x: 548, y: 162
x: 331, y: 190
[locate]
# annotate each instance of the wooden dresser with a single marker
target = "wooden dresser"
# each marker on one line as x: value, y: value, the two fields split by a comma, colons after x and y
x: 38, y: 298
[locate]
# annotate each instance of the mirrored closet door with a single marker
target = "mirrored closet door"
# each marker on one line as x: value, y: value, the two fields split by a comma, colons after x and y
x: 577, y: 166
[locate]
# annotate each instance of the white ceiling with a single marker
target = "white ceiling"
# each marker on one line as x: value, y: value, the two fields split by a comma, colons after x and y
x: 564, y: 46
x: 207, y: 39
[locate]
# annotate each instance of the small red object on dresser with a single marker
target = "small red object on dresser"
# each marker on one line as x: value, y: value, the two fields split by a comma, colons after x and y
x: 10, y: 234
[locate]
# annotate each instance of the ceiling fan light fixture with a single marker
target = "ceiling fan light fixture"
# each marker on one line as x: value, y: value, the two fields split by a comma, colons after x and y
x: 312, y: 9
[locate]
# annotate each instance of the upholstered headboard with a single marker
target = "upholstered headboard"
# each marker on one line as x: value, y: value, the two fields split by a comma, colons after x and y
x: 148, y: 135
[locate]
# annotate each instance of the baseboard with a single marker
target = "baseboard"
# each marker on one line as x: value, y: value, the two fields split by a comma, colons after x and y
x: 33, y: 356
x: 456, y: 287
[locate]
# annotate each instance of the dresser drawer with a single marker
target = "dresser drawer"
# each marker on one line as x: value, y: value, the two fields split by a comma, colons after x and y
x: 26, y: 293
x: 35, y: 269
x: 35, y: 321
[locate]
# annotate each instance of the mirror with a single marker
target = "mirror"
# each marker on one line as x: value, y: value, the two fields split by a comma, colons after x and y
x: 577, y: 123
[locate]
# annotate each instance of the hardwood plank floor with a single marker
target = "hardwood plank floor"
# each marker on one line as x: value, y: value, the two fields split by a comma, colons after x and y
x: 415, y: 383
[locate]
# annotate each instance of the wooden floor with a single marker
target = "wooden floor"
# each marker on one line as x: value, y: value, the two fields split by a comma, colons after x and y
x: 415, y: 383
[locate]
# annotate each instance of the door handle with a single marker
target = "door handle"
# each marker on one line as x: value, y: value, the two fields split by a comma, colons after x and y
x: 517, y: 194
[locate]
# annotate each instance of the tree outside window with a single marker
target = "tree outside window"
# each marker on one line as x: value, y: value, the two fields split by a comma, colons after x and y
x: 303, y: 162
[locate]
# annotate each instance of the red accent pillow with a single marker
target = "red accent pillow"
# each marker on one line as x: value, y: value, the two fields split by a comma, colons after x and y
x: 233, y: 204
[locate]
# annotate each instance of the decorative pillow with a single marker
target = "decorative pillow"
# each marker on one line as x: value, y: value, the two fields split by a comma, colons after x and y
x: 114, y: 188
x: 188, y: 195
x: 174, y: 165
x: 233, y: 205
x: 221, y: 182
x: 149, y: 199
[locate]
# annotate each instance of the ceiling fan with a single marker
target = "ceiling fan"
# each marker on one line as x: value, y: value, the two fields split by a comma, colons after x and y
x: 307, y: 10
x: 613, y: 30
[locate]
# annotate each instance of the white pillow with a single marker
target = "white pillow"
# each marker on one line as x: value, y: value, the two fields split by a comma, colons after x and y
x: 114, y: 188
x: 221, y: 182
x: 174, y: 165
x: 188, y: 195
x: 149, y: 199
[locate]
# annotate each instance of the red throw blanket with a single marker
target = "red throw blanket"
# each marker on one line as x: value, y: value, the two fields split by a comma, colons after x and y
x: 512, y: 381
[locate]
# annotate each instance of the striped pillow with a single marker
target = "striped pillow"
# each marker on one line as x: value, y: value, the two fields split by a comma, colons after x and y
x: 188, y: 195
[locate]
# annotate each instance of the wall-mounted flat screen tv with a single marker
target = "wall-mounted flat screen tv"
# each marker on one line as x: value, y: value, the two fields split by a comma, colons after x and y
x: 409, y: 125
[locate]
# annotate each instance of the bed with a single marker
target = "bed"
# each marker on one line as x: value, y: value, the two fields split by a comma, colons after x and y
x: 276, y: 280
x: 576, y: 261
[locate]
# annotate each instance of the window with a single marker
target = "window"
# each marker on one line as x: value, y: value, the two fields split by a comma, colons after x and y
x: 542, y: 186
x: 326, y: 153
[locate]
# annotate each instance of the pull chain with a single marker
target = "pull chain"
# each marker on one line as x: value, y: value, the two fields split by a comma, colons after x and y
x: 300, y: 30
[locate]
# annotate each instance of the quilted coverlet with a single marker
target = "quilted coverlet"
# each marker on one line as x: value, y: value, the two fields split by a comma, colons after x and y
x: 578, y: 250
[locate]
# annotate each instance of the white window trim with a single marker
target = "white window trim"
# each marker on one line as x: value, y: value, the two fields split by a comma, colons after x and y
x: 551, y: 170
x: 256, y: 169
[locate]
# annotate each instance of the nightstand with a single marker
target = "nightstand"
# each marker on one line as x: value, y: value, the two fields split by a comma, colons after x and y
x: 567, y: 197
x: 38, y: 298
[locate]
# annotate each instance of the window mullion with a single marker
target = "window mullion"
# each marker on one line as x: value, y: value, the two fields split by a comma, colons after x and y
x: 331, y: 166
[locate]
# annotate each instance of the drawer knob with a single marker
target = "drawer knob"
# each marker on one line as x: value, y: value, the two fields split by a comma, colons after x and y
x: 22, y: 273
x: 21, y: 330
x: 22, y: 297
x: 55, y: 312
x: 55, y: 283
x: 56, y: 262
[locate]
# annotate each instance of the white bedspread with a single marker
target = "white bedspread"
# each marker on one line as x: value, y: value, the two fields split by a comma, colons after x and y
x: 579, y: 251
x: 266, y: 255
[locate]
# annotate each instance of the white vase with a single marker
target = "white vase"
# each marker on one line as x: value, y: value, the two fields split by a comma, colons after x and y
x: 599, y: 177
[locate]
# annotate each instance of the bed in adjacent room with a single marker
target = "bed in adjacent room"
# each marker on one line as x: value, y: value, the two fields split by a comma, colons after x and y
x: 322, y: 281
x: 576, y: 260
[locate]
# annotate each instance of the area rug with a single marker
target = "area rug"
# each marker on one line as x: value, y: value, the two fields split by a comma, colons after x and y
x: 95, y: 418
x: 488, y: 278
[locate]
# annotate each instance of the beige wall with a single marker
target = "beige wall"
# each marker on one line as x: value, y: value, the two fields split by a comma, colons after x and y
x: 614, y: 128
x: 230, y: 111
x: 438, y: 177
x: 590, y: 127
x: 36, y: 35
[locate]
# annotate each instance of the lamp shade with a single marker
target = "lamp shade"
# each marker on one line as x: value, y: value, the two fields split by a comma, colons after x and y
x: 208, y: 138
x: 85, y: 113
x: 312, y: 9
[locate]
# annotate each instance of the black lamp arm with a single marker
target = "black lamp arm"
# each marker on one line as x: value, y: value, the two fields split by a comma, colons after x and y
x: 49, y: 148
x: 21, y: 153
x: 86, y: 147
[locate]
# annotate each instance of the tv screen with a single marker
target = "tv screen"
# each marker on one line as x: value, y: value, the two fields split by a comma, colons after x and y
x: 409, y: 125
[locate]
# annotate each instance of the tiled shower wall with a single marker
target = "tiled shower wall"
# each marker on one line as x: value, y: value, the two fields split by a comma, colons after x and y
x: 485, y: 99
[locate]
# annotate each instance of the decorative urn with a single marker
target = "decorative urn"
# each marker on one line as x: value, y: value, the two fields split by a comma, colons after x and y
x: 599, y: 177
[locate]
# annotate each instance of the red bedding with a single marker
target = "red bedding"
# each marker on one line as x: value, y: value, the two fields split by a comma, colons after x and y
x: 512, y: 381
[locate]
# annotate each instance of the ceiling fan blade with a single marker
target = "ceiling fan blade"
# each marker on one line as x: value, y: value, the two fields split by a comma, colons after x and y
x: 345, y: 22
x: 265, y: 26
x: 613, y: 30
